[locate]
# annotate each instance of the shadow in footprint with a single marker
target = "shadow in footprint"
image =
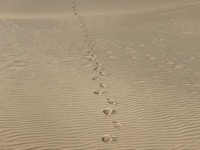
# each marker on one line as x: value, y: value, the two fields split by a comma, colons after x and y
x: 109, y: 111
x: 102, y: 73
x: 111, y: 101
x: 89, y: 52
x: 92, y: 57
x: 102, y: 85
x: 96, y: 68
x: 100, y: 92
x: 117, y: 125
x: 109, y: 138
x: 99, y: 64
x: 96, y: 78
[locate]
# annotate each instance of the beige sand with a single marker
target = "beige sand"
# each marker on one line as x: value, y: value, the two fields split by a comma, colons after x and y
x: 99, y: 75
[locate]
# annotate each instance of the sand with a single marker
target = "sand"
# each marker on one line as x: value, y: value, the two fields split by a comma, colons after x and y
x: 99, y: 75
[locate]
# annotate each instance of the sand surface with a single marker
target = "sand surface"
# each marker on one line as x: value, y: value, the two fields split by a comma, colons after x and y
x: 100, y: 75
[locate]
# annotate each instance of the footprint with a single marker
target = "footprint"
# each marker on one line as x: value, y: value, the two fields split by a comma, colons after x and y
x: 93, y: 57
x: 99, y: 92
x: 111, y: 101
x: 96, y: 68
x: 89, y: 45
x: 99, y: 64
x: 109, y: 111
x: 109, y: 138
x: 102, y: 73
x: 96, y: 78
x: 89, y: 52
x: 102, y: 85
x: 117, y: 125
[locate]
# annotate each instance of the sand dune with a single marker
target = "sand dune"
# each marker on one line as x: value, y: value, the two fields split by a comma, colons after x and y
x: 99, y: 75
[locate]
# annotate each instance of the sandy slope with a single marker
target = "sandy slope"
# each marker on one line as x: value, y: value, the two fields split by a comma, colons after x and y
x: 148, y: 49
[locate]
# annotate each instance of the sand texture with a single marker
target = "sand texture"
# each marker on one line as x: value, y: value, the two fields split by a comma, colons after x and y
x: 100, y: 75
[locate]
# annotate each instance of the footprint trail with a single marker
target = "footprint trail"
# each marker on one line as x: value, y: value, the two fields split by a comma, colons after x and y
x: 98, y: 67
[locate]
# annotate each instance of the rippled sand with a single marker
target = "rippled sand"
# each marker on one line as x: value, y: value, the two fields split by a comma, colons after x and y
x: 99, y: 75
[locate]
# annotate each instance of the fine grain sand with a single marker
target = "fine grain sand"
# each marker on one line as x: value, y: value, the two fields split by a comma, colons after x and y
x: 100, y: 75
